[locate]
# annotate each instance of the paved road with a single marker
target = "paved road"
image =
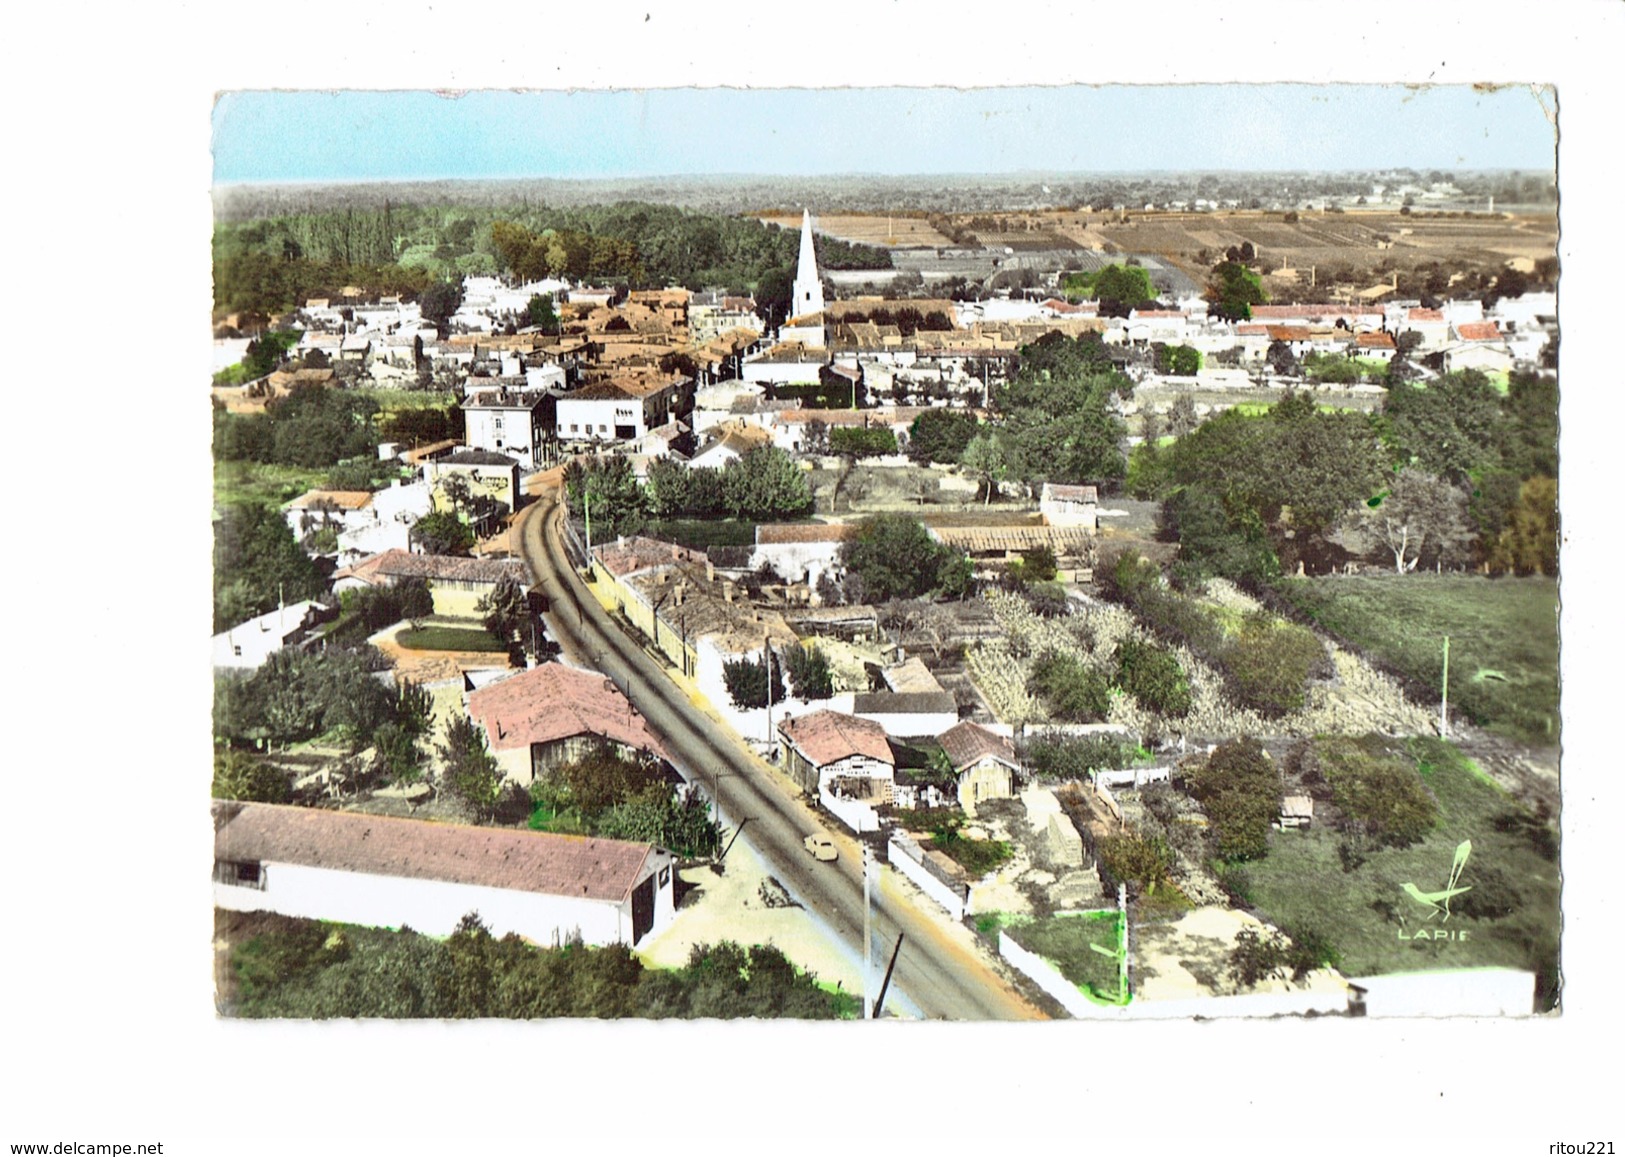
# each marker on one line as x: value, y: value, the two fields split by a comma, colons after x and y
x: 939, y: 968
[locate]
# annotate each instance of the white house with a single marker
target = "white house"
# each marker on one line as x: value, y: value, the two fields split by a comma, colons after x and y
x: 786, y: 364
x: 842, y: 755
x: 386, y: 871
x: 1063, y: 505
x: 622, y: 410
x: 339, y: 510
x: 801, y: 551
x: 394, y: 512
x: 247, y: 645
x: 507, y: 422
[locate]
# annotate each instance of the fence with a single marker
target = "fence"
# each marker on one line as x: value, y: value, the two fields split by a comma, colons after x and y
x: 855, y: 814
x: 908, y: 859
x: 1295, y: 1003
x: 1132, y: 777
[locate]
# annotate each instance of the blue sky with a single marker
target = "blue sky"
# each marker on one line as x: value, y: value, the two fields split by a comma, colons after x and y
x: 364, y: 135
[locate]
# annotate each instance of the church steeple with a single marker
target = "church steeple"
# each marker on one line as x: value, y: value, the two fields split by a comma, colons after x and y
x: 808, y: 292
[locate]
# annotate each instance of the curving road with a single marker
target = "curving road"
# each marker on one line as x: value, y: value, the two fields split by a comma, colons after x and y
x: 939, y: 969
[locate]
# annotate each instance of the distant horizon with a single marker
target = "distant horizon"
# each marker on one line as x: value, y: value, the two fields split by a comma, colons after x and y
x: 368, y: 137
x: 875, y: 175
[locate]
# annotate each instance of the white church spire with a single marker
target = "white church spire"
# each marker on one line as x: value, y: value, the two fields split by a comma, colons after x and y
x: 808, y: 290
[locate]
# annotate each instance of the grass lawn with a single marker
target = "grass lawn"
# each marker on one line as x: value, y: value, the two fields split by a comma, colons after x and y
x: 1070, y: 943
x: 1363, y: 910
x: 262, y: 484
x: 450, y: 639
x: 1503, y: 639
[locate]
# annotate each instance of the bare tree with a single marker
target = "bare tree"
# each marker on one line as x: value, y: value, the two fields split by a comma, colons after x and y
x: 1421, y: 515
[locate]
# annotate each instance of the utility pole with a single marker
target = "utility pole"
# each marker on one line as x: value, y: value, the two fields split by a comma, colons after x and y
x: 868, y: 999
x: 767, y: 665
x: 1444, y: 692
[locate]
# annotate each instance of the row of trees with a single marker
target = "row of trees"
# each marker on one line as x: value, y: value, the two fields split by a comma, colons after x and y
x: 308, y: 969
x: 763, y: 484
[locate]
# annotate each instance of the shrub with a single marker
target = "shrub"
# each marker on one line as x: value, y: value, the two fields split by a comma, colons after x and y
x: 1239, y: 789
x: 809, y: 672
x: 1074, y: 757
x: 1038, y: 564
x: 1048, y: 600
x: 1152, y: 675
x: 1380, y: 792
x: 1142, y: 862
x: 1237, y: 883
x: 1072, y: 692
x: 1267, y: 665
x: 862, y: 441
x: 747, y: 682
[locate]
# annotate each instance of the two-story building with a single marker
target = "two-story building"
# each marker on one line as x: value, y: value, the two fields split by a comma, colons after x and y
x: 617, y: 410
x: 518, y: 423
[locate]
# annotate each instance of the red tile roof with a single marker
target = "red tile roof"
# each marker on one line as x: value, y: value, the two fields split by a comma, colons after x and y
x: 507, y: 858
x: 1478, y: 331
x: 554, y: 702
x: 1424, y: 315
x: 397, y: 563
x: 339, y: 499
x: 826, y: 736
x: 1064, y: 492
x: 1381, y: 341
x: 1289, y: 333
x: 629, y: 555
x: 966, y: 743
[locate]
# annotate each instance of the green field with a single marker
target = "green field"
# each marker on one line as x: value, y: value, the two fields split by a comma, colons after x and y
x: 1503, y: 639
x: 1305, y: 882
x: 262, y: 484
x: 1084, y: 947
x: 450, y: 639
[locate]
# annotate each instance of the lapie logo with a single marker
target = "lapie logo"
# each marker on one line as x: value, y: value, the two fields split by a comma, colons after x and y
x: 1438, y: 903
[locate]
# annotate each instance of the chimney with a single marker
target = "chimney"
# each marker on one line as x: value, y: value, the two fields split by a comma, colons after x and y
x: 710, y: 571
x: 727, y: 592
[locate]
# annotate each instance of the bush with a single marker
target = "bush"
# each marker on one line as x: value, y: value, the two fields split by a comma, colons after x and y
x: 747, y: 681
x: 1152, y: 675
x: 809, y: 673
x: 1379, y: 791
x: 1074, y: 757
x: 1048, y: 600
x: 1240, y: 790
x: 862, y: 441
x: 1267, y: 665
x: 1038, y: 564
x: 1072, y: 692
x: 1141, y: 862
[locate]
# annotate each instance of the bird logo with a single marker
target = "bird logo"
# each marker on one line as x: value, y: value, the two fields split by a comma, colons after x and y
x: 1439, y: 902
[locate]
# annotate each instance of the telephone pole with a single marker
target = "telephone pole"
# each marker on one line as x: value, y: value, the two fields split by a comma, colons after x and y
x: 1444, y: 692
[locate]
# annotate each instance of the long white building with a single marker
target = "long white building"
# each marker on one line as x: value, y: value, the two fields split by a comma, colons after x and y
x: 385, y: 871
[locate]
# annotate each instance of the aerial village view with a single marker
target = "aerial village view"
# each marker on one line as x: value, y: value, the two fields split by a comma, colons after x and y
x: 1102, y: 592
